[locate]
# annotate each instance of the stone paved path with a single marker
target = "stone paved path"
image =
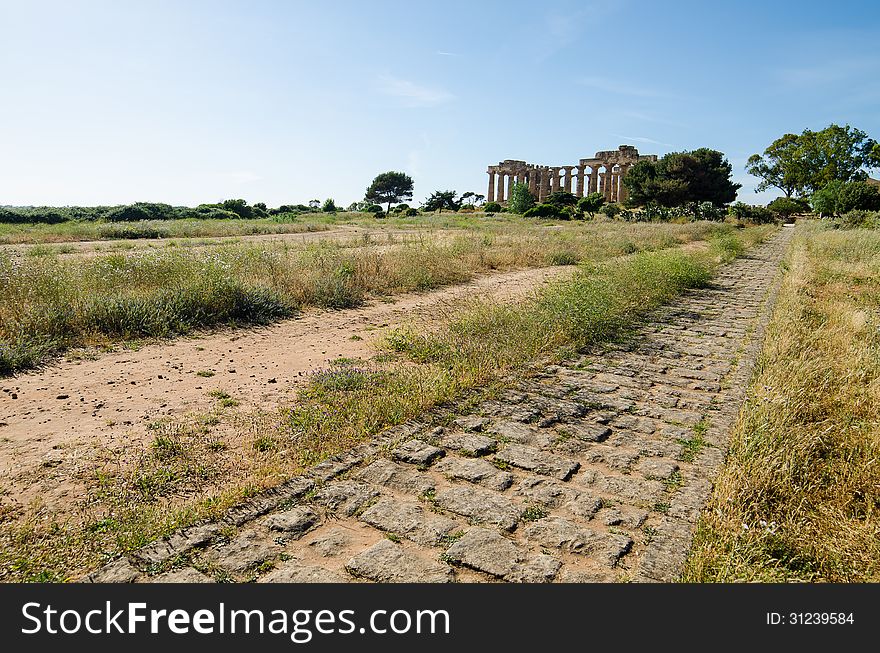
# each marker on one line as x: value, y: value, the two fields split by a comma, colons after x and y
x: 591, y: 472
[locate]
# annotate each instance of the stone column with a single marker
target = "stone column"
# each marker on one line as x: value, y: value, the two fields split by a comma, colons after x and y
x: 580, y: 181
x: 621, y: 188
x: 490, y: 194
x: 499, y: 196
x: 606, y: 183
x: 548, y: 183
x: 533, y: 182
x: 594, y: 179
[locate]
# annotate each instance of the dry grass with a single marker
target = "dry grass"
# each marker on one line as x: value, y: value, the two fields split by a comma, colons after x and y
x: 799, y: 498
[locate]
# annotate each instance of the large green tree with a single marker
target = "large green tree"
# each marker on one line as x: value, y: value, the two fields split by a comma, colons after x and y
x: 703, y: 175
x: 390, y: 188
x: 803, y: 164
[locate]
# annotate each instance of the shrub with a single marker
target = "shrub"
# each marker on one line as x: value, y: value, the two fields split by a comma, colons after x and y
x: 858, y: 219
x: 329, y: 206
x: 467, y: 208
x: 411, y: 212
x: 610, y: 210
x: 543, y: 211
x: 491, y: 207
x: 373, y: 208
x: 591, y: 203
x: 750, y: 213
x: 562, y: 198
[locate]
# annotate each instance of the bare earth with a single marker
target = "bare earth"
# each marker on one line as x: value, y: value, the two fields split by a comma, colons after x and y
x: 55, y: 423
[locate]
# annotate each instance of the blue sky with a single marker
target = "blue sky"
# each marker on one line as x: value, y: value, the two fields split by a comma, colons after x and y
x: 283, y: 102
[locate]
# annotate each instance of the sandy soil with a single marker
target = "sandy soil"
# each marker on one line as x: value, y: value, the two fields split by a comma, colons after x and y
x: 56, y: 423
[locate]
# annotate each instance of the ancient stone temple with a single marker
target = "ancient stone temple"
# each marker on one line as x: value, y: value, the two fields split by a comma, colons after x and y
x: 601, y: 174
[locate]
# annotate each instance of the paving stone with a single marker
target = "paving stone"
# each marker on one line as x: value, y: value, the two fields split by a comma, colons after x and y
x: 471, y: 422
x: 689, y: 500
x: 185, y: 575
x: 479, y: 505
x: 408, y: 519
x: 477, y: 445
x: 613, y: 402
x: 537, y: 461
x: 417, y: 452
x: 293, y: 523
x: 475, y: 470
x: 540, y: 568
x: 118, y: 571
x: 545, y: 491
x: 614, y: 457
x: 644, y: 425
x: 247, y: 550
x: 559, y: 533
x: 628, y: 488
x: 584, y: 431
x: 331, y: 543
x: 508, y: 431
x: 622, y: 515
x: 294, y: 571
x: 394, y: 476
x: 487, y: 551
x: 663, y: 558
x: 658, y: 468
x: 345, y: 497
x: 387, y: 562
x: 584, y: 506
x: 672, y: 415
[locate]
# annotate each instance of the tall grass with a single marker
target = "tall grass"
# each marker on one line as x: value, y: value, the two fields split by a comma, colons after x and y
x: 12, y: 234
x: 50, y: 303
x: 799, y: 497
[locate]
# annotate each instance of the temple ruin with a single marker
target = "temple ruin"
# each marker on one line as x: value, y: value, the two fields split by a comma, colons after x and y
x: 606, y: 170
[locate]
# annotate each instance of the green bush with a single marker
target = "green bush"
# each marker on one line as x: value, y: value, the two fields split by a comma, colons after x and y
x: 750, y: 213
x: 491, y: 207
x: 858, y: 219
x: 610, y: 210
x: 543, y: 211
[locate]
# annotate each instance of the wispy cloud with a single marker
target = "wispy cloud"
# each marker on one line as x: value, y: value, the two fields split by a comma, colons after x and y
x: 642, y: 139
x: 412, y: 94
x: 447, y: 54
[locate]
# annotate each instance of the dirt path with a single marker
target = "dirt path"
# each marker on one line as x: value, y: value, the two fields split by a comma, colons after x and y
x: 592, y: 471
x: 54, y: 423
